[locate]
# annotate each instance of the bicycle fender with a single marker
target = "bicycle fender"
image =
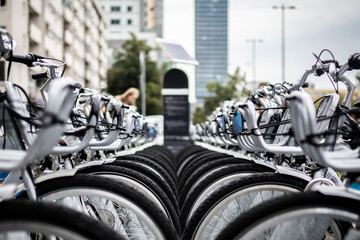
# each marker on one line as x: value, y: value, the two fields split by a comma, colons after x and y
x: 292, y: 172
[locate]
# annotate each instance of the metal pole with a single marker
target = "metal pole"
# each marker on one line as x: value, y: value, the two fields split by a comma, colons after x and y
x: 282, y: 8
x: 142, y: 57
x: 254, y: 59
x: 283, y: 42
x: 253, y: 46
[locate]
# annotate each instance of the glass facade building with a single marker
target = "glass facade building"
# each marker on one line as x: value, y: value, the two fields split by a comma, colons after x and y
x: 211, y: 44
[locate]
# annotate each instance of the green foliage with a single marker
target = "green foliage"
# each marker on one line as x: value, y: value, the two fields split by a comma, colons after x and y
x: 222, y: 93
x: 125, y: 73
x: 199, y: 116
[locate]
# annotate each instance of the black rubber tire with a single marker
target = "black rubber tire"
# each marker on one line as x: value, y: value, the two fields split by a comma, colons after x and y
x: 118, y: 188
x: 233, y: 186
x: 287, y: 203
x: 194, y: 157
x: 190, y: 158
x: 142, y: 179
x: 200, y: 163
x: 153, y: 176
x: 25, y: 212
x: 155, y: 166
x: 231, y: 169
x: 155, y: 156
x: 164, y: 150
x: 161, y: 151
x: 187, y: 152
x: 206, y: 167
x: 197, y: 163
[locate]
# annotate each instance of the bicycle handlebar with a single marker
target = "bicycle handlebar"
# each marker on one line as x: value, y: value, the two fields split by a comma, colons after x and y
x: 27, y: 59
x: 354, y: 61
x: 40, y: 76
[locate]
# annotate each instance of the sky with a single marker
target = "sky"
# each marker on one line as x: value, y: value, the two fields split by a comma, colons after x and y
x: 312, y: 26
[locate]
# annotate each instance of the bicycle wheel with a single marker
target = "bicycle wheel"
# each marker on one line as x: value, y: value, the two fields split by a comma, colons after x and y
x: 198, y: 163
x: 181, y: 165
x: 145, y: 158
x: 140, y: 182
x: 187, y: 152
x: 215, y: 181
x: 156, y: 155
x: 153, y: 175
x: 207, y: 168
x: 115, y: 203
x: 39, y: 220
x: 164, y: 150
x: 155, y: 166
x: 309, y: 215
x: 235, y: 198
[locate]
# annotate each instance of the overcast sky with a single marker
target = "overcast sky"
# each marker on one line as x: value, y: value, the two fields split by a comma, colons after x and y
x: 311, y: 27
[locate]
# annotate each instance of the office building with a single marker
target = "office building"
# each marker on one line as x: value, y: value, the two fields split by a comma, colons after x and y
x: 73, y: 31
x: 211, y: 44
x: 141, y: 17
x: 153, y: 19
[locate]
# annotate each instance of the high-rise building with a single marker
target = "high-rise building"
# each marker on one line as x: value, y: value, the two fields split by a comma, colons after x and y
x: 154, y: 17
x: 211, y: 44
x: 70, y: 30
x: 141, y: 17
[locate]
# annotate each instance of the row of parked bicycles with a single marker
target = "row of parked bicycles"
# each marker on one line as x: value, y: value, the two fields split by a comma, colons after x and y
x: 86, y: 166
x: 83, y: 165
x: 277, y: 165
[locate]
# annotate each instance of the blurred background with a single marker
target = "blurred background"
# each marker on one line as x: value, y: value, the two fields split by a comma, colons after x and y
x: 213, y: 41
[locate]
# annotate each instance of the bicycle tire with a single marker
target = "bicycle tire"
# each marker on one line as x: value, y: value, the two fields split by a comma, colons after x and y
x: 159, y: 158
x: 159, y: 167
x: 215, y: 201
x: 119, y: 192
x: 165, y: 163
x: 294, y: 206
x: 204, y: 169
x: 104, y: 170
x: 157, y: 153
x: 49, y: 219
x: 190, y: 158
x: 164, y: 150
x: 221, y: 173
x: 188, y: 152
x: 196, y: 162
x: 200, y: 163
x: 158, y: 179
x: 162, y: 154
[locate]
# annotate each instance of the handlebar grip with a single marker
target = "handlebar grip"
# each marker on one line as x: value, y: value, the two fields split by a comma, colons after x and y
x: 39, y: 76
x: 27, y: 59
x: 77, y: 85
x: 354, y: 61
x: 105, y: 99
x: 305, y: 85
x: 261, y: 92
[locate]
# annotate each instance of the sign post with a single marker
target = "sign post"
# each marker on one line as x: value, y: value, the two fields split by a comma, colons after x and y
x: 142, y: 58
x: 176, y: 110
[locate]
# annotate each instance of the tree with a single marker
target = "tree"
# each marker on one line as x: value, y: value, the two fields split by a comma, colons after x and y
x: 221, y: 93
x: 125, y: 73
x: 199, y: 116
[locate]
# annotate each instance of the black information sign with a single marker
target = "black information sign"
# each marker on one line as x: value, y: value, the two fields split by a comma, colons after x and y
x: 176, y: 116
x: 176, y: 108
